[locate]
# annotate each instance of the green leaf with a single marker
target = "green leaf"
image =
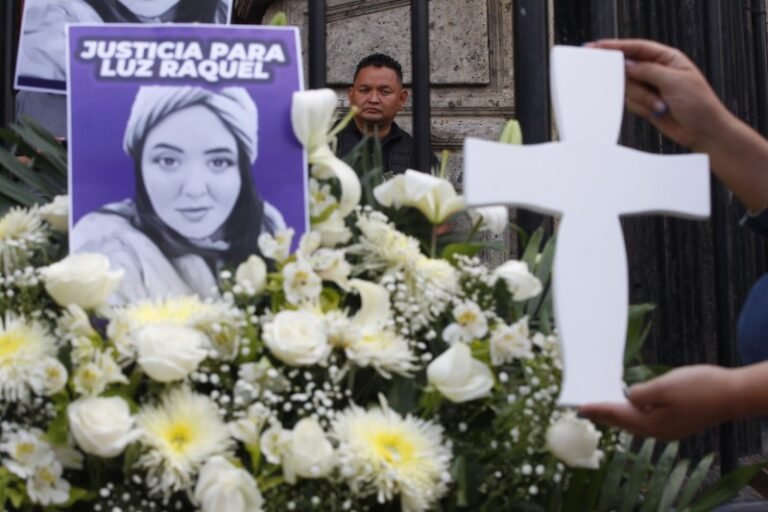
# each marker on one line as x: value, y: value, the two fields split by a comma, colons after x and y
x: 43, y: 142
x: 660, y: 476
x: 76, y: 494
x: 695, y: 479
x: 279, y: 20
x: 673, y: 485
x: 728, y: 487
x: 459, y: 473
x: 26, y: 174
x: 572, y: 501
x: 638, y: 327
x: 467, y: 249
x: 609, y: 498
x: 532, y: 248
x: 631, y: 490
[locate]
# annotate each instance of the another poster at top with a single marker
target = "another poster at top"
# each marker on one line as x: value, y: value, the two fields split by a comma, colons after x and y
x: 41, y: 63
x: 182, y: 150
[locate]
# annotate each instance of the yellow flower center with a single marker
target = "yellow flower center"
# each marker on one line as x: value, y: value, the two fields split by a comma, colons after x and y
x: 24, y: 450
x: 177, y: 312
x: 301, y: 278
x: 393, y: 448
x: 46, y: 476
x: 10, y: 344
x: 179, y: 436
x: 466, y: 318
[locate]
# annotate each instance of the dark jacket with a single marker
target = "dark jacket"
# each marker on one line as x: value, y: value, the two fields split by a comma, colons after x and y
x: 397, y: 152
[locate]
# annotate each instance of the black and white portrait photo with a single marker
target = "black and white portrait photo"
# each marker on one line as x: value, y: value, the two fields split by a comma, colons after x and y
x: 196, y: 208
x: 41, y: 63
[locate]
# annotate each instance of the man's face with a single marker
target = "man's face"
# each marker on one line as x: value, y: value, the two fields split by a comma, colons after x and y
x: 378, y: 95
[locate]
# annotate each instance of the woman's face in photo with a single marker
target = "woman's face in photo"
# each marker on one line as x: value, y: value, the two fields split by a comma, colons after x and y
x: 190, y: 170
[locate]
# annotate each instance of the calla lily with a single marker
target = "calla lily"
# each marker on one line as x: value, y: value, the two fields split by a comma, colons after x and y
x: 374, y: 309
x: 434, y: 197
x: 312, y: 118
x: 494, y: 218
x: 378, y: 346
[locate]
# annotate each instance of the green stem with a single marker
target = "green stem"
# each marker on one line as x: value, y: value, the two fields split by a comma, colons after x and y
x: 433, y: 248
x: 475, y: 229
x: 344, y: 122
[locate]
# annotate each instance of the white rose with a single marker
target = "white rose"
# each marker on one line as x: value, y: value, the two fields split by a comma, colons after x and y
x: 252, y: 275
x: 575, y: 441
x: 308, y: 453
x: 520, y: 282
x: 170, y: 352
x: 458, y: 376
x: 56, y: 213
x: 101, y: 426
x: 222, y: 487
x: 82, y: 279
x: 297, y: 338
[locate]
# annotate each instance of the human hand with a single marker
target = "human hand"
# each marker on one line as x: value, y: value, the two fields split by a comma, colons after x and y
x: 666, y: 88
x: 679, y: 403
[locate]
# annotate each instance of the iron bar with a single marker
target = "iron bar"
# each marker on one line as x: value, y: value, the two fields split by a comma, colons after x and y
x: 317, y: 44
x: 420, y: 82
x: 604, y: 19
x: 723, y: 249
x: 531, y: 40
x: 9, y: 15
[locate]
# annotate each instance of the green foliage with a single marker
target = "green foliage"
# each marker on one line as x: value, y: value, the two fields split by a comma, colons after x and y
x: 33, y: 166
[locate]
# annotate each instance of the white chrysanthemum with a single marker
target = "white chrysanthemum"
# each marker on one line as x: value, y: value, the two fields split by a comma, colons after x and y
x: 25, y: 346
x: 218, y: 320
x: 300, y: 283
x: 510, y: 342
x: 385, y: 246
x: 382, y: 453
x: 180, y: 434
x: 21, y: 232
x: 470, y: 324
x: 384, y: 351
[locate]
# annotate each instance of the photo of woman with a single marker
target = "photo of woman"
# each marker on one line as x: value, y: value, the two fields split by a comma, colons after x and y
x: 41, y: 61
x: 196, y: 208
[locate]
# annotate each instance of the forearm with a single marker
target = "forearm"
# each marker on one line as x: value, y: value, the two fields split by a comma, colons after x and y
x: 748, y: 390
x: 739, y: 157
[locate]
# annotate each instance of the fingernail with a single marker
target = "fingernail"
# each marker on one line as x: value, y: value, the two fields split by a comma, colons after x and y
x: 589, y: 44
x: 659, y: 108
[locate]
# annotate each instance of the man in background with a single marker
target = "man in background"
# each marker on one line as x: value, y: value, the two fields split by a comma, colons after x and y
x: 377, y: 92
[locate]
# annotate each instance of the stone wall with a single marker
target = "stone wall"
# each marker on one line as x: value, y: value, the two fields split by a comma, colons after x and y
x: 470, y: 62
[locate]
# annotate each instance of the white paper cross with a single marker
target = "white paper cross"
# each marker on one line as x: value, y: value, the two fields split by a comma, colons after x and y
x: 589, y: 180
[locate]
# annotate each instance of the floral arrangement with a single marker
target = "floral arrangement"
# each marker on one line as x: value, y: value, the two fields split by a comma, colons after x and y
x: 369, y: 370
